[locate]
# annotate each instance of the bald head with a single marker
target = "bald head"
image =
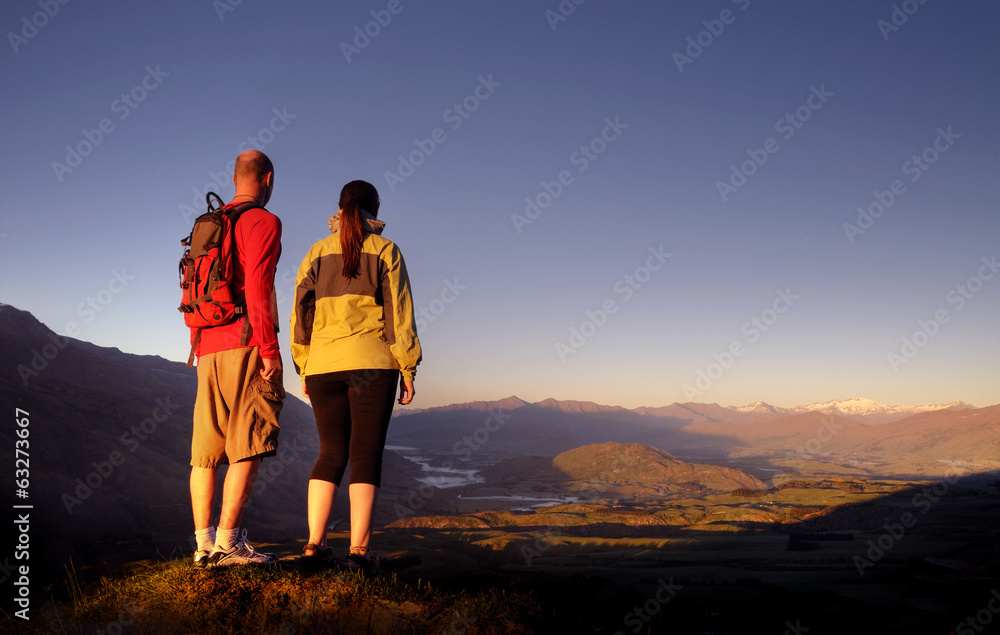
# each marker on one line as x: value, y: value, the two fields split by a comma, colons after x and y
x: 254, y: 176
x: 253, y: 165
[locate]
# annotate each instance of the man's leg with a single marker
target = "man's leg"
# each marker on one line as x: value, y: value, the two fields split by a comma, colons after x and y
x: 240, y: 479
x: 207, y: 449
x: 202, y: 495
x: 249, y: 428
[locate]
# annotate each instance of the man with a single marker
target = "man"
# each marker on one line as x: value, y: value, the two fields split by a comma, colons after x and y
x: 240, y: 391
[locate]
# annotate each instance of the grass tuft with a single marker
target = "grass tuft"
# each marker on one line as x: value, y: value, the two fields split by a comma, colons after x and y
x: 172, y: 597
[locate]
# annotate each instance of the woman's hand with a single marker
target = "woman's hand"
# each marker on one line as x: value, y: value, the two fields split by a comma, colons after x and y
x: 406, y: 391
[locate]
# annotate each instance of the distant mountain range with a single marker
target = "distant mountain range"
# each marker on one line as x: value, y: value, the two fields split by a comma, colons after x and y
x: 859, y: 408
x: 856, y: 437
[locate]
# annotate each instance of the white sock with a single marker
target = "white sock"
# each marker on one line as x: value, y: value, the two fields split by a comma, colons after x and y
x: 226, y: 538
x: 205, y: 538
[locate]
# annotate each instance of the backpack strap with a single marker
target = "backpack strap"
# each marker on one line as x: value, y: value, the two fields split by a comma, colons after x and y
x: 246, y: 330
x: 194, y: 346
x: 235, y: 212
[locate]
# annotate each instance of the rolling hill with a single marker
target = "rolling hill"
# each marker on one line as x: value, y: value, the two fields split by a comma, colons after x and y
x: 610, y: 471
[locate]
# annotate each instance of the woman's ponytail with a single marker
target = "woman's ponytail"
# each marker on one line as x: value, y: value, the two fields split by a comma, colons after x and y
x: 355, y: 196
x: 351, y: 237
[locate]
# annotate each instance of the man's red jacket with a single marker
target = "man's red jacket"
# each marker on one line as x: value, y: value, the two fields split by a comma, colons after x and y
x: 258, y: 246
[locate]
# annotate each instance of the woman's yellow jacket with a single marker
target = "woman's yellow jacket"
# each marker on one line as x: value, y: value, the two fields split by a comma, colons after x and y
x: 366, y: 322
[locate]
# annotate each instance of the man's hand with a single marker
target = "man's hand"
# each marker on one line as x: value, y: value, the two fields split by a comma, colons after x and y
x: 406, y: 391
x: 272, y: 370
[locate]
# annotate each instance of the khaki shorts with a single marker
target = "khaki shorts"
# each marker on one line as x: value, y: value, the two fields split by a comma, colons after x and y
x: 236, y: 410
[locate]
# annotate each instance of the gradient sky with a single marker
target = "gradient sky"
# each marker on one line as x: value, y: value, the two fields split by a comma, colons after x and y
x: 108, y: 229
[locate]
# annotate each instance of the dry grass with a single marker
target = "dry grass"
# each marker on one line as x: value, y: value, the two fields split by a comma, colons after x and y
x: 171, y: 597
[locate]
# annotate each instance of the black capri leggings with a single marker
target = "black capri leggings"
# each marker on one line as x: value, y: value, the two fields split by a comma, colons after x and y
x: 352, y: 410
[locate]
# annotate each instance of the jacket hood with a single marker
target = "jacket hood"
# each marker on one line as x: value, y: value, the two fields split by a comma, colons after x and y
x: 369, y: 223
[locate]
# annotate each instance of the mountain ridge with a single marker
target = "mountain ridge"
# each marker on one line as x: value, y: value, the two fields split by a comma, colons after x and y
x: 864, y: 409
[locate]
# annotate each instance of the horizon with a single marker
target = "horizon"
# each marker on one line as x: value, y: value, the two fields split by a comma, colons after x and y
x: 759, y: 401
x: 397, y: 411
x: 629, y: 203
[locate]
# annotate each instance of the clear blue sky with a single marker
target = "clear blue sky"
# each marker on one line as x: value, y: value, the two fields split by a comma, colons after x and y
x: 181, y: 87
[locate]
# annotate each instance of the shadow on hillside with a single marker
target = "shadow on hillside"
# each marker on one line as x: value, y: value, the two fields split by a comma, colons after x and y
x: 958, y: 508
x: 921, y: 573
x: 921, y: 559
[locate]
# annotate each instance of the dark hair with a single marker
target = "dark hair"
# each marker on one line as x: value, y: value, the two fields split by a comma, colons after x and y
x: 356, y: 196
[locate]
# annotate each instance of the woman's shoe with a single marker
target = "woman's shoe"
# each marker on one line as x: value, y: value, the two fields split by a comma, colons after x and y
x: 316, y: 557
x: 364, y: 564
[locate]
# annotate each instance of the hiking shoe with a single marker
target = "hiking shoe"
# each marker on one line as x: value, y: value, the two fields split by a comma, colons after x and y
x: 322, y: 558
x: 201, y: 559
x: 364, y: 564
x: 241, y: 553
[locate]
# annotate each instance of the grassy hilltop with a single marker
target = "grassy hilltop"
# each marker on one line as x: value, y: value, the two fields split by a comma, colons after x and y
x: 833, y: 556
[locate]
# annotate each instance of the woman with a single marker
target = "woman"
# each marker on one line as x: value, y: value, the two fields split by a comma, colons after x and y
x: 353, y: 337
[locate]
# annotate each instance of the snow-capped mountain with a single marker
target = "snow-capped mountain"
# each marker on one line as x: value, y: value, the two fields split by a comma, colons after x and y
x: 861, y: 409
x: 871, y: 411
x: 761, y: 408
